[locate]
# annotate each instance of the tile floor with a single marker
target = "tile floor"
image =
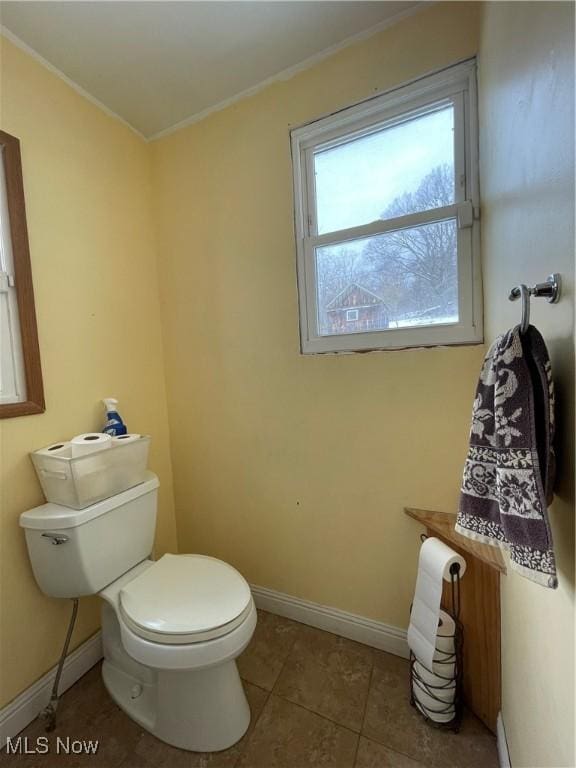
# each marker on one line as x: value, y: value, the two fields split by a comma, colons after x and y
x: 316, y: 700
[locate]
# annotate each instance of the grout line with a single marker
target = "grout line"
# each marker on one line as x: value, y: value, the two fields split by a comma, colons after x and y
x: 308, y: 709
x: 374, y: 738
x: 242, y: 750
x: 361, y: 732
x: 368, y: 694
x: 365, y: 708
x: 318, y: 714
x: 272, y: 690
x: 357, y: 750
x: 381, y: 743
x: 255, y: 685
x: 322, y: 717
x: 315, y: 712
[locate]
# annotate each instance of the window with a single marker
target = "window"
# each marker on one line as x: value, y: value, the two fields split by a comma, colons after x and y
x: 386, y: 220
x: 21, y: 390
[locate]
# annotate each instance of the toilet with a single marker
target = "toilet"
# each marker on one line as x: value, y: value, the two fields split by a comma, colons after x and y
x: 171, y: 629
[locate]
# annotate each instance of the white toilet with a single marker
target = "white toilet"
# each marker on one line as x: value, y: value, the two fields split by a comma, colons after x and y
x: 171, y: 629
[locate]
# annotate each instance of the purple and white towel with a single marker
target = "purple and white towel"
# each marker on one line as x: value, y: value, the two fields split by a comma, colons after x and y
x: 509, y: 470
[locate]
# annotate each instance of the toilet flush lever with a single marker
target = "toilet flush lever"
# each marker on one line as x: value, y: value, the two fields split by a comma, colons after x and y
x: 57, y: 538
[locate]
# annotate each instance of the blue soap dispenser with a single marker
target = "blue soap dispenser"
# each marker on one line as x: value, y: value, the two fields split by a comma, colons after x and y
x: 114, y: 425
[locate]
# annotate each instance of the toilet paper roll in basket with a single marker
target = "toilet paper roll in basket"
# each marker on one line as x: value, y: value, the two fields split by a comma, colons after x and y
x: 128, y: 460
x: 47, y: 459
x: 431, y: 708
x: 434, y: 692
x: 434, y: 564
x: 129, y: 438
x: 92, y: 472
x: 90, y: 442
x: 436, y: 687
x: 444, y: 662
x: 443, y: 666
x: 56, y: 449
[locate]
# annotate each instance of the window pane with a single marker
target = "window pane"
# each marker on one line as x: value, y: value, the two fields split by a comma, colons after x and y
x: 401, y: 279
x: 12, y: 378
x: 398, y: 170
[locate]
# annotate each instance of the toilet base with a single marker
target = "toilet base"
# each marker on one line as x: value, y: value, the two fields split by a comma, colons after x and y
x: 204, y: 711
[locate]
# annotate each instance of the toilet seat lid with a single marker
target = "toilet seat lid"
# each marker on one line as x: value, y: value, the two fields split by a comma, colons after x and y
x: 185, y: 598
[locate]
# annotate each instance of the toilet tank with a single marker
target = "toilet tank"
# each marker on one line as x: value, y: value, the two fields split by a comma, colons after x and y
x: 79, y: 552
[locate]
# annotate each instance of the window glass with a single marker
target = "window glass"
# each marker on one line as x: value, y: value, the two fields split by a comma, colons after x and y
x: 21, y: 390
x: 386, y: 219
x: 401, y: 279
x: 381, y: 175
x: 12, y: 379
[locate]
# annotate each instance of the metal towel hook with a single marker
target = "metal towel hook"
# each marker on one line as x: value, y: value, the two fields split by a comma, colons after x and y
x: 550, y: 290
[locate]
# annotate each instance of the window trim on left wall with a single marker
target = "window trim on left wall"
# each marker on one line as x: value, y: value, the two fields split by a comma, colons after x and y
x: 21, y: 282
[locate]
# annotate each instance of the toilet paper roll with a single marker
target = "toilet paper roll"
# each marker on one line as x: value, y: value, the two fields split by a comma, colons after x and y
x: 434, y: 704
x: 129, y: 438
x: 49, y: 459
x: 56, y: 449
x: 437, y: 703
x: 433, y: 684
x: 93, y: 471
x: 444, y: 659
x: 90, y: 442
x: 433, y: 568
x: 445, y: 637
x: 440, y: 674
x: 435, y: 694
x: 439, y: 712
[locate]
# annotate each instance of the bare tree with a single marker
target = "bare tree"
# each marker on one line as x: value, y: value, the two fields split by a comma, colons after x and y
x: 419, y: 262
x: 412, y: 270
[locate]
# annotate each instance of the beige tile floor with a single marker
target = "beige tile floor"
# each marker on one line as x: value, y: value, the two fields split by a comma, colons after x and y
x: 316, y: 700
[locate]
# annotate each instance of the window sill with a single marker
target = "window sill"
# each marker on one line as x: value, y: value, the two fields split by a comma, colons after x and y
x: 26, y: 408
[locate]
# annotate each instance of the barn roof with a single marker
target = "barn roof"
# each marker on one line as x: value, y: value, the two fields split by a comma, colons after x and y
x: 354, y: 295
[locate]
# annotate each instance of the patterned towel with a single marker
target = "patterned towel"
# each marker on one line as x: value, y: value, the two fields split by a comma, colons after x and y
x: 509, y: 470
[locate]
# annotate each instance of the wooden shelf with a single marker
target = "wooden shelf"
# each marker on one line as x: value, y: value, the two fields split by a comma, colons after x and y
x: 442, y: 523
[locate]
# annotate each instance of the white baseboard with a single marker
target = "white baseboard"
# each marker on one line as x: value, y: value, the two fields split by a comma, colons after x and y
x: 20, y: 712
x: 503, y: 754
x: 354, y: 627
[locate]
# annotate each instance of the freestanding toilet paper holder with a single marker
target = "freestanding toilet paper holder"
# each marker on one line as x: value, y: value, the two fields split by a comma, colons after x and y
x: 437, y: 694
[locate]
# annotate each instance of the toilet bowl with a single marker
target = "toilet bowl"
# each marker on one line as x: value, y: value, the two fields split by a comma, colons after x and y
x: 169, y: 656
x: 171, y: 629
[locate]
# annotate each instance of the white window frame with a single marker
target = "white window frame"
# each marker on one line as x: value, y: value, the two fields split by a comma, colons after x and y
x: 351, y: 319
x: 455, y: 85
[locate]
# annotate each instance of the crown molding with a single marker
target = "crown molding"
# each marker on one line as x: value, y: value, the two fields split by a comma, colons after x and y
x: 295, y: 69
x: 15, y: 40
x: 196, y: 117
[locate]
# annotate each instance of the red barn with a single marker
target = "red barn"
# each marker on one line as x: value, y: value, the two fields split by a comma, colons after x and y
x: 357, y: 309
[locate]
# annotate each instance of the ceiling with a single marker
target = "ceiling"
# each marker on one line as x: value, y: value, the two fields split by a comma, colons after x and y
x: 157, y: 64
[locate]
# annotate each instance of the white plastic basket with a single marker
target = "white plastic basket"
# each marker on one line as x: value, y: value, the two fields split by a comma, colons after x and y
x: 83, y: 480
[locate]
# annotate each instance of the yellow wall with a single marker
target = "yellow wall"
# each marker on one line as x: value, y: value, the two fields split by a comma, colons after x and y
x: 296, y: 469
x: 87, y: 186
x: 293, y: 468
x: 527, y: 166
